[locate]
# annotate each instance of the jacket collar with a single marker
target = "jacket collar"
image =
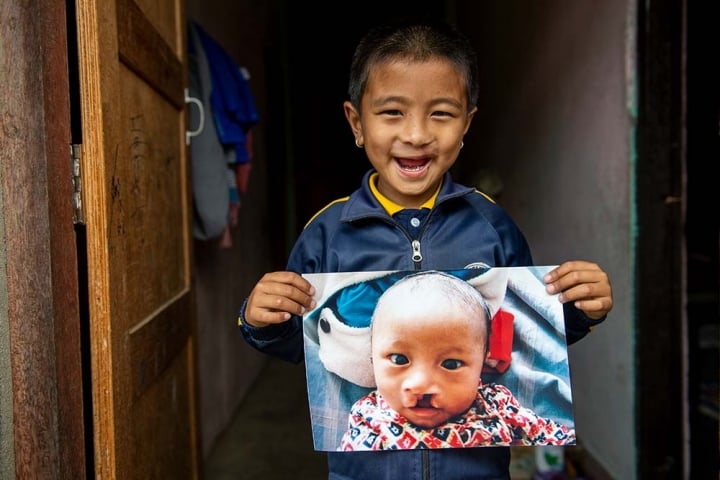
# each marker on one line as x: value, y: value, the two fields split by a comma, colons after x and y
x: 391, y: 207
x: 363, y: 203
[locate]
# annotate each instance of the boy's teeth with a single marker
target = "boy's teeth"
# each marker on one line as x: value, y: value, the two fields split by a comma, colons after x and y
x: 412, y: 167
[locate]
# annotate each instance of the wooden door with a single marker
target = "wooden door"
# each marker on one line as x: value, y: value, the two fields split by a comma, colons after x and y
x: 135, y: 183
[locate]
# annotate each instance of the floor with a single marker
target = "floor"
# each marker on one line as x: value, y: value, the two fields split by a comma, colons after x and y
x: 285, y: 450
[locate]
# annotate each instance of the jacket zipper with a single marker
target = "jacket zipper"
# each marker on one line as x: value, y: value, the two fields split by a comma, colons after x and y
x: 415, y: 243
x: 416, y: 255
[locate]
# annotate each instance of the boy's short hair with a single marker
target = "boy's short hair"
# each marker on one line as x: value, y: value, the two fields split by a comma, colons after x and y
x: 416, y: 40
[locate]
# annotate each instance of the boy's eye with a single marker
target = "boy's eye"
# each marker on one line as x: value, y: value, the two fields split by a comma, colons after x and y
x: 452, y: 364
x: 392, y: 113
x: 442, y: 114
x: 398, y: 359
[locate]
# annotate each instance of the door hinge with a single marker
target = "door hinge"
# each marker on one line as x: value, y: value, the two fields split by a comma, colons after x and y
x: 77, y: 200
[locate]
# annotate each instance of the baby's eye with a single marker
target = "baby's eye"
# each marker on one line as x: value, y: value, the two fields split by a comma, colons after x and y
x: 398, y: 359
x: 452, y: 364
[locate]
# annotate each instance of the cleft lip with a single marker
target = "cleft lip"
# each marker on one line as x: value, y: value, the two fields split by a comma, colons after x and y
x: 424, y: 402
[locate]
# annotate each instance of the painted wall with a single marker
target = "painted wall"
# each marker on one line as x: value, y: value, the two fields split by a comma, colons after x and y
x: 554, y: 137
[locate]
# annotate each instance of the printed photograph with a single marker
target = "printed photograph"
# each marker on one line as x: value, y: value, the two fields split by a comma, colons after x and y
x: 437, y: 359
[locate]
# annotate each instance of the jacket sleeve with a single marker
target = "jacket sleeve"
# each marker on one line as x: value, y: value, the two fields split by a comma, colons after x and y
x: 577, y: 324
x: 284, y: 340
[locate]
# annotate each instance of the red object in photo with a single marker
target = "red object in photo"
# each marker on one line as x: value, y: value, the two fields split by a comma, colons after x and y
x: 501, y: 339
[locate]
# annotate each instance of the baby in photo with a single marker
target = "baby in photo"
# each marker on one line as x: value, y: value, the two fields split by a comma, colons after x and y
x: 429, y: 342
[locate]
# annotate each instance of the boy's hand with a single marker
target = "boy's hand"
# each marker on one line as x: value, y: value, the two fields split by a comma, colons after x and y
x: 584, y: 283
x: 278, y: 296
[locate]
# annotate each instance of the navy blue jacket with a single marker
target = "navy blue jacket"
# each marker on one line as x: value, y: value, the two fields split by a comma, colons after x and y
x: 465, y: 229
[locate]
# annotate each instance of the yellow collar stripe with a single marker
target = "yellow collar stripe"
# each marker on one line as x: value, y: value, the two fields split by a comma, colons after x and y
x: 391, y: 207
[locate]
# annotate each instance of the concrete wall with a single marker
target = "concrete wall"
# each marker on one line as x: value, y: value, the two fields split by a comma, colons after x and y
x: 554, y: 131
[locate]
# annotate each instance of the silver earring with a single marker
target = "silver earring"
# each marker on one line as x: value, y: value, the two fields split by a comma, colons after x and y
x: 357, y: 143
x: 462, y: 144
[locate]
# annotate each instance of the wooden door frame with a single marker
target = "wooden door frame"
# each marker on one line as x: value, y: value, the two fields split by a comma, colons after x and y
x: 41, y: 260
x: 660, y: 274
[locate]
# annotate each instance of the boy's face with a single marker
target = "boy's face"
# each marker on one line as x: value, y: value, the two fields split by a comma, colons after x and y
x: 427, y: 358
x: 414, y: 116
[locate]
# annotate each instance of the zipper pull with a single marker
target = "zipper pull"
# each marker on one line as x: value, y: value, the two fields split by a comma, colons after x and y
x: 416, y: 255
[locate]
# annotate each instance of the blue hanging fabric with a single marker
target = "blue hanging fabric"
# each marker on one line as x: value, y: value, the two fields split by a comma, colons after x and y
x: 233, y: 107
x: 221, y: 153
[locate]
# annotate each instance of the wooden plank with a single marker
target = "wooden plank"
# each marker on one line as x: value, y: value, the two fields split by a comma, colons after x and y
x: 155, y: 344
x: 63, y: 245
x: 145, y: 52
x: 27, y: 144
x: 138, y: 225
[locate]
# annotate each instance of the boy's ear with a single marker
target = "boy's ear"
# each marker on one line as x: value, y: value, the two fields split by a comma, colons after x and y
x: 353, y: 118
x: 468, y: 119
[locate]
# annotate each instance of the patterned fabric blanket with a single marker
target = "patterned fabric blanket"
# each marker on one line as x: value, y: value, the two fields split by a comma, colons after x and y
x: 495, y: 418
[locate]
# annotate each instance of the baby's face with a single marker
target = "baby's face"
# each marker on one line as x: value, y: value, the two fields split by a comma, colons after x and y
x: 427, y: 359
